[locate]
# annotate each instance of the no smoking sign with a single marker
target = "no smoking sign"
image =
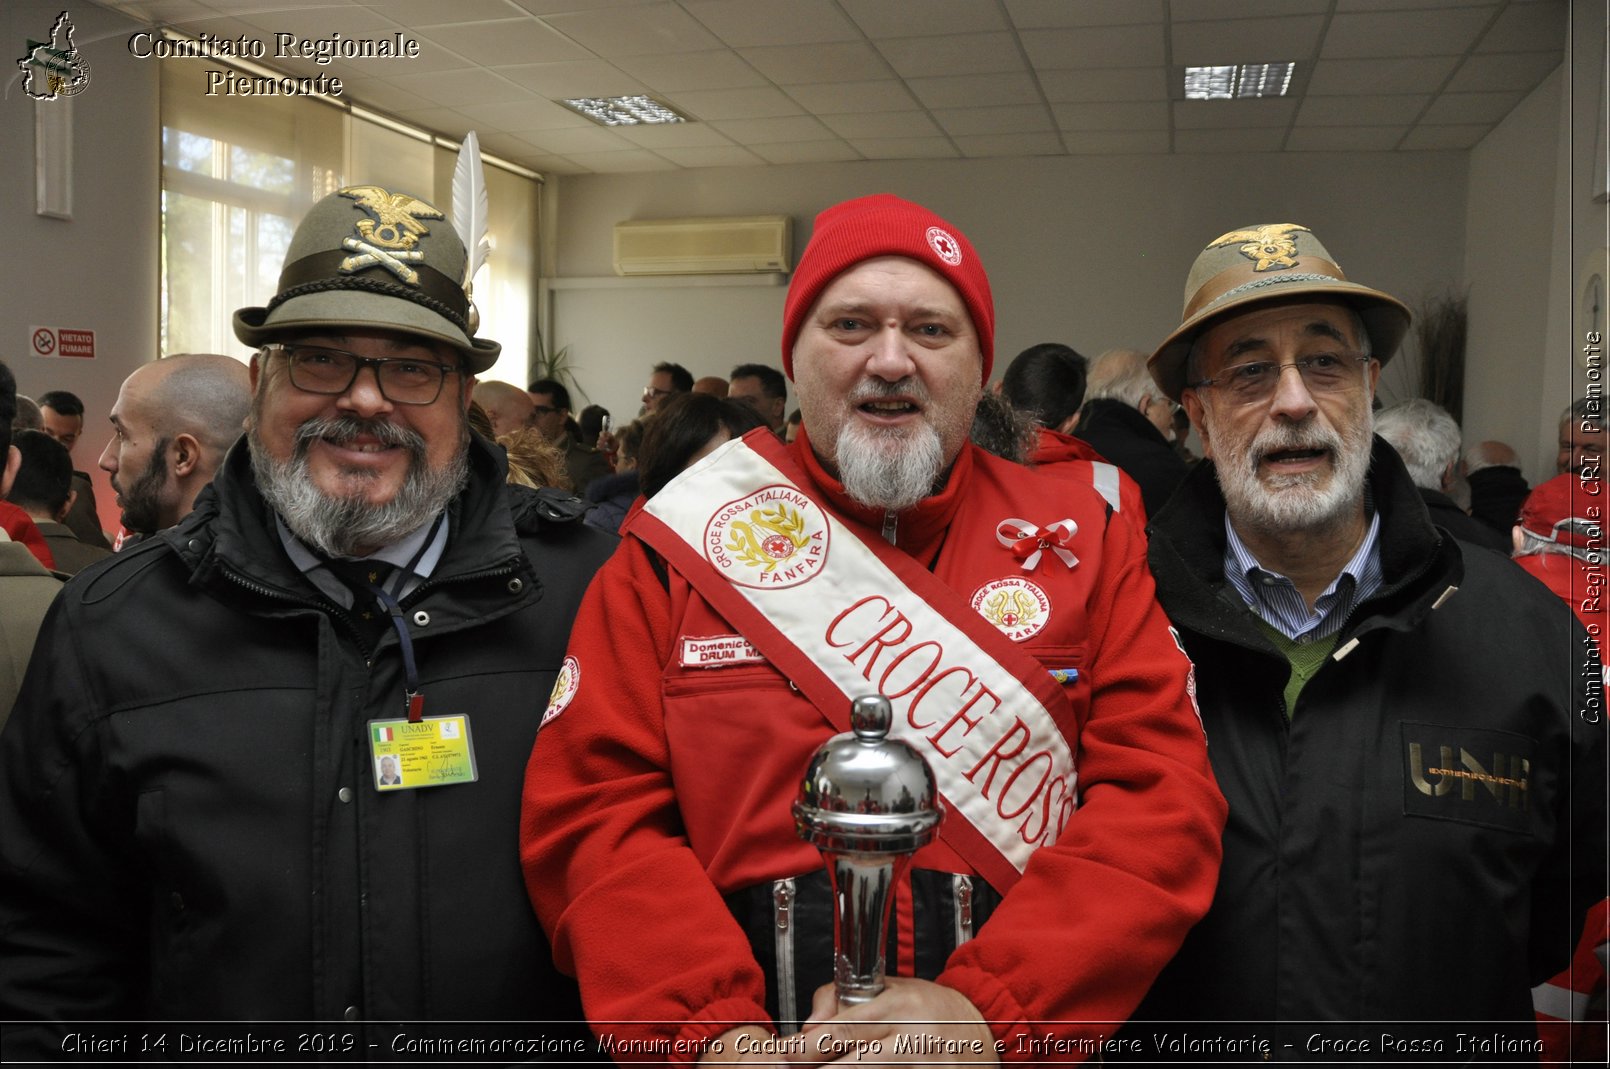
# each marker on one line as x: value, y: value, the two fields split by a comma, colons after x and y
x: 62, y: 341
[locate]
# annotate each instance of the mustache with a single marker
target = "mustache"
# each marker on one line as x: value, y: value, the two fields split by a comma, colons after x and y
x: 1284, y: 436
x: 345, y: 429
x: 881, y: 390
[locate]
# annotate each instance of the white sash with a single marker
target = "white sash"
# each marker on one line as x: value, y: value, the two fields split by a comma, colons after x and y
x: 843, y: 617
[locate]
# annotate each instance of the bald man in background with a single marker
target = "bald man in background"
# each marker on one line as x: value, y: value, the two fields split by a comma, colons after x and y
x: 508, y: 407
x: 172, y: 424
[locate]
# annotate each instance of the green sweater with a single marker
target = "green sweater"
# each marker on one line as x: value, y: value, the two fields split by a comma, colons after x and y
x: 1304, y: 658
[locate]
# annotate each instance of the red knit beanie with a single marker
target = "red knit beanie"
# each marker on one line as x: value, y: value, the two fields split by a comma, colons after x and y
x: 885, y: 225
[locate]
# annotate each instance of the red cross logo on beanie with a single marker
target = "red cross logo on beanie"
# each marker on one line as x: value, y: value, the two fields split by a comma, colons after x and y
x: 947, y: 247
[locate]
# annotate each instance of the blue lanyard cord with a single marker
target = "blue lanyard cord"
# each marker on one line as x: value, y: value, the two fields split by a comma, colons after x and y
x: 413, y: 696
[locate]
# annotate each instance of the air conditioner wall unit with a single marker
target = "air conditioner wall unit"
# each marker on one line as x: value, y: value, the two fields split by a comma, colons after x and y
x: 750, y: 244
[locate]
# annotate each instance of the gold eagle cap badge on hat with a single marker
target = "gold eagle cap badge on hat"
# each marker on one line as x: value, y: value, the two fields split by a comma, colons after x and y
x: 1270, y: 246
x: 395, y: 228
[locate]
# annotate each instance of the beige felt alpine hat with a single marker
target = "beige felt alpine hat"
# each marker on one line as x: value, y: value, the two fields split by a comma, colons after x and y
x: 366, y: 257
x: 1265, y: 263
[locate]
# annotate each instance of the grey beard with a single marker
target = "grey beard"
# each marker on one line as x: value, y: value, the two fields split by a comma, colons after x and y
x: 889, y: 470
x: 1293, y: 503
x: 349, y: 526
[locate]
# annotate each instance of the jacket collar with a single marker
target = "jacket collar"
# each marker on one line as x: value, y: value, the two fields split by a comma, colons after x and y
x: 1054, y: 447
x: 920, y: 529
x: 1110, y: 412
x: 1187, y: 548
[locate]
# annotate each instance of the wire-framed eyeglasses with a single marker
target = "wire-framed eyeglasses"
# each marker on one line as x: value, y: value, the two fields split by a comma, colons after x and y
x: 322, y: 370
x: 1322, y: 373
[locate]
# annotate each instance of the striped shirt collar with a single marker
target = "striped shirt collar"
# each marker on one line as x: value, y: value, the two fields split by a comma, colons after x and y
x: 1275, y: 598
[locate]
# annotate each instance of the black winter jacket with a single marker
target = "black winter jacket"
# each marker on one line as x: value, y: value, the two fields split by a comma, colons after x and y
x: 188, y: 824
x: 1420, y: 839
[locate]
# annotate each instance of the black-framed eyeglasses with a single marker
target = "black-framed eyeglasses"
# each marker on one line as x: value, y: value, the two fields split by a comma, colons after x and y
x: 1322, y: 373
x: 654, y: 393
x: 322, y: 370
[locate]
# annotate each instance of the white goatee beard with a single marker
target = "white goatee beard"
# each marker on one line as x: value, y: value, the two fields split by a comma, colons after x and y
x: 890, y: 470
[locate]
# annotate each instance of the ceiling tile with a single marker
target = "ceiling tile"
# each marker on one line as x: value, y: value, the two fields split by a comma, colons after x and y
x: 587, y: 78
x: 1099, y: 46
x: 1501, y: 71
x: 1198, y: 44
x: 850, y: 97
x: 643, y: 30
x: 771, y: 131
x: 1267, y: 140
x: 621, y: 162
x: 1404, y: 33
x: 1426, y: 138
x: 556, y: 7
x: 521, y: 116
x: 691, y: 70
x: 906, y: 148
x: 926, y: 57
x: 1116, y: 142
x: 1149, y: 115
x: 1455, y: 109
x: 1345, y: 139
x: 896, y: 124
x: 806, y: 152
x: 1094, y: 86
x: 1528, y: 28
x: 879, y: 18
x: 1232, y: 114
x: 712, y: 104
x: 579, y: 139
x: 805, y: 64
x: 1362, y: 110
x: 1341, y: 77
x: 975, y: 90
x: 661, y: 136
x: 470, y: 86
x: 1398, y: 5
x: 514, y: 41
x: 506, y: 145
x: 443, y: 121
x: 419, y: 13
x: 302, y: 22
x: 989, y: 145
x: 1016, y: 119
x: 731, y: 156
x: 1201, y: 10
x: 748, y: 23
x: 382, y: 95
x: 1053, y: 14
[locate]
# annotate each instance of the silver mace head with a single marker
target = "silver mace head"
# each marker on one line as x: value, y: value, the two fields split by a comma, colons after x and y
x: 868, y: 803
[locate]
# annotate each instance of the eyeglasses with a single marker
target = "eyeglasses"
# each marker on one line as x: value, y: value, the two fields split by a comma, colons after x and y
x: 403, y: 381
x: 543, y: 410
x: 651, y: 393
x: 1322, y: 373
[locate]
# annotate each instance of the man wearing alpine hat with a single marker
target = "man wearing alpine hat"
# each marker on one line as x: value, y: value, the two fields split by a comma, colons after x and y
x: 1409, y: 732
x: 194, y: 824
x: 1009, y: 619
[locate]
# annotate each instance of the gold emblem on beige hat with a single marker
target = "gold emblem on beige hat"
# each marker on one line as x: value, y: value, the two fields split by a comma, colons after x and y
x: 1270, y: 246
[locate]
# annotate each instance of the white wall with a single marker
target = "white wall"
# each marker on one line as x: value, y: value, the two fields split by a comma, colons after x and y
x: 97, y: 271
x: 1088, y: 251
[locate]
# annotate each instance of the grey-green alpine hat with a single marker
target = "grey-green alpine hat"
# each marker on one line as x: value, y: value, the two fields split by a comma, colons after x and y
x: 364, y: 256
x: 1259, y: 264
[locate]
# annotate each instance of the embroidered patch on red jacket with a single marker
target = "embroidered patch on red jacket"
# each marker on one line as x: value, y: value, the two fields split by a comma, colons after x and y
x: 719, y: 651
x: 1016, y: 606
x: 564, y: 689
x: 776, y: 537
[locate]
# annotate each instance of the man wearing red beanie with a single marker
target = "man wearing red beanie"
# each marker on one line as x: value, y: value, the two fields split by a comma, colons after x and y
x: 1009, y: 619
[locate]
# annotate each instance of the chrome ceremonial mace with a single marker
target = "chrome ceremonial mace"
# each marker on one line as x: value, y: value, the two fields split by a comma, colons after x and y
x: 868, y: 803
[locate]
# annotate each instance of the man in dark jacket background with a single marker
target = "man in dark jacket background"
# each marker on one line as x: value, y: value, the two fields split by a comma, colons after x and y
x: 1127, y: 419
x: 1410, y: 734
x: 191, y: 823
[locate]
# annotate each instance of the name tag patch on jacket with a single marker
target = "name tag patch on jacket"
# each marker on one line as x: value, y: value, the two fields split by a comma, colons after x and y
x: 1466, y: 774
x: 719, y: 651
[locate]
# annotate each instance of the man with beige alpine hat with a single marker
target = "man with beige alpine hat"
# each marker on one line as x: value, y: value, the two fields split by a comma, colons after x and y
x: 1416, y: 795
x: 196, y: 821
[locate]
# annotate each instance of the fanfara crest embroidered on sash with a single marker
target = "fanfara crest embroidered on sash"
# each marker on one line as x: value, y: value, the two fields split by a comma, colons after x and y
x: 389, y: 238
x: 1270, y: 246
x: 1016, y: 606
x: 564, y: 689
x: 776, y: 537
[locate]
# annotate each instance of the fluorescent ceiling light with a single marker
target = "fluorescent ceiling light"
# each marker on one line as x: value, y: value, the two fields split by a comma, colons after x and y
x: 1246, y: 80
x: 624, y: 111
